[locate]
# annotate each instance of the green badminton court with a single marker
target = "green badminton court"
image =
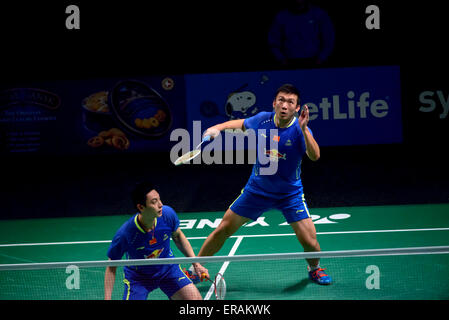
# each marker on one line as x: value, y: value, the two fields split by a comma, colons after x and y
x: 342, y: 228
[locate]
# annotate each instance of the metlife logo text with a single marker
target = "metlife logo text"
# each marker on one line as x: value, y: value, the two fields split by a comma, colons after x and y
x: 353, y: 106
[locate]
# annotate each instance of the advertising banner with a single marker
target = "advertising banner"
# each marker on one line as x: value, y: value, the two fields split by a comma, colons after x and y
x: 348, y: 106
x: 91, y: 116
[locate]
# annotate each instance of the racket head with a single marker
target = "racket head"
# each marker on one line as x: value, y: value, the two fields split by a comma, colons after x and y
x: 219, y: 287
x: 186, y: 157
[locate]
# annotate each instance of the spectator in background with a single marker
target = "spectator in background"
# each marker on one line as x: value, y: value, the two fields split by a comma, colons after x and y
x: 302, y: 35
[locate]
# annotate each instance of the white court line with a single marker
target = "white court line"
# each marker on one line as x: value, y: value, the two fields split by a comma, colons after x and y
x: 242, y: 236
x: 52, y: 243
x: 225, y: 265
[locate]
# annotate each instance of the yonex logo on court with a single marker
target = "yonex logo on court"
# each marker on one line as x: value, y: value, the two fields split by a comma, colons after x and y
x: 201, y: 223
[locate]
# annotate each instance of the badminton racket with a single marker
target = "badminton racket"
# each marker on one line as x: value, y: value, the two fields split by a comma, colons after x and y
x: 186, y: 157
x: 219, y: 284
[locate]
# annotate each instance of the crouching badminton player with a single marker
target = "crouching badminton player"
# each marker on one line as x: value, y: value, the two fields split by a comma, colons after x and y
x: 146, y: 235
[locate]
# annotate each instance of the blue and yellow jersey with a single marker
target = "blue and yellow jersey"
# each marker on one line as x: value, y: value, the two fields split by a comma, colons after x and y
x: 136, y: 243
x: 287, y: 150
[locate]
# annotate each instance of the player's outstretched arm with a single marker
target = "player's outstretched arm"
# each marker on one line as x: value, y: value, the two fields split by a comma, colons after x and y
x: 185, y: 247
x: 109, y: 279
x: 214, y: 131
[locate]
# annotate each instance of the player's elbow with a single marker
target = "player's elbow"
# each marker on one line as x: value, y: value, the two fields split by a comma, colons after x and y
x: 314, y: 156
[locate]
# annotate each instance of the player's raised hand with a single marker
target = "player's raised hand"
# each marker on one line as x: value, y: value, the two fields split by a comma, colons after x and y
x: 212, y: 132
x: 304, y: 117
x: 201, y: 271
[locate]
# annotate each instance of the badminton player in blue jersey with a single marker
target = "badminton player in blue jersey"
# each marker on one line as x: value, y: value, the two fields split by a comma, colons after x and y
x: 146, y: 235
x: 282, y: 190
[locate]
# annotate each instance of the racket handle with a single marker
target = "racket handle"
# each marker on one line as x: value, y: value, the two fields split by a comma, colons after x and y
x: 206, y: 138
x: 204, y: 277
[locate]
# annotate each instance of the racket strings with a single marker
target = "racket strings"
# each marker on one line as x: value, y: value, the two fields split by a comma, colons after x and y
x: 192, y: 154
x: 187, y: 157
x: 220, y: 287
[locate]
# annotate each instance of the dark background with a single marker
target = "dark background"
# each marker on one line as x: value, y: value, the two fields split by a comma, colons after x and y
x: 135, y: 38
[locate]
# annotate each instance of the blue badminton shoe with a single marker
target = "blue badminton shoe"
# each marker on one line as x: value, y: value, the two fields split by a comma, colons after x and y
x: 319, y: 276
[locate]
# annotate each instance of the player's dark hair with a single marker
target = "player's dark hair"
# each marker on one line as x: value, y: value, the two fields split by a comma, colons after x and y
x: 139, y: 194
x: 288, y: 88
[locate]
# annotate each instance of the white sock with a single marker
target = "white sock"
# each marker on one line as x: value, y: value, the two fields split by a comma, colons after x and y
x: 310, y: 268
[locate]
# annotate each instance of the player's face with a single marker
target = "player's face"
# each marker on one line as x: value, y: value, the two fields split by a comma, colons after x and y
x: 154, y: 203
x: 285, y: 105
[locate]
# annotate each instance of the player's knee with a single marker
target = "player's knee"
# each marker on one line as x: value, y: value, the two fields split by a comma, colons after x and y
x: 192, y: 295
x: 189, y: 292
x: 197, y: 296
x: 311, y: 244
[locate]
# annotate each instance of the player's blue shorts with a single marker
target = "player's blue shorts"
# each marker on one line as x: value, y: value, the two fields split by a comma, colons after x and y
x: 252, y: 206
x: 138, y: 286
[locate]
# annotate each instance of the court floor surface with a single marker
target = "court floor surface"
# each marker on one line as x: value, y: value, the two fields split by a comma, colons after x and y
x: 342, y: 228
